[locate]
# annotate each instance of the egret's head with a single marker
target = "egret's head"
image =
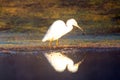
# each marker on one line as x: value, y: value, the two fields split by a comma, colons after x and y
x: 74, y: 67
x: 73, y: 22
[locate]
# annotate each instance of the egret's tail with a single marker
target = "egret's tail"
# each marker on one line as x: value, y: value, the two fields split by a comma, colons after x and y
x: 43, y: 40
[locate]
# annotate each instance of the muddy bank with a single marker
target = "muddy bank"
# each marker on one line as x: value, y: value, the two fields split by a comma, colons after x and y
x: 63, y: 49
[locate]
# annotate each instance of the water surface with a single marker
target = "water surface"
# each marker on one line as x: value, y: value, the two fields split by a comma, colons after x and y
x: 23, y: 64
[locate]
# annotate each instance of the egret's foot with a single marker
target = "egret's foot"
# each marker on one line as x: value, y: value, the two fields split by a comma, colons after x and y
x: 57, y: 43
x: 50, y: 44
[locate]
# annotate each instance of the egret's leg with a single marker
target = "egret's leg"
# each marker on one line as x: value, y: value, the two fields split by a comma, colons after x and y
x: 50, y: 43
x: 57, y: 42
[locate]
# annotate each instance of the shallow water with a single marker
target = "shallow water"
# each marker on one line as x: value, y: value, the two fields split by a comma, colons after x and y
x: 23, y: 64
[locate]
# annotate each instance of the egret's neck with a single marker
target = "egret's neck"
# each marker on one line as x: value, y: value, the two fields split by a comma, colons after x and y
x: 73, y: 68
x: 69, y: 27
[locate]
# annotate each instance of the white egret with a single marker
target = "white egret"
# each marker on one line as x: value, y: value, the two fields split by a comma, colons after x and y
x: 58, y: 29
x: 60, y: 62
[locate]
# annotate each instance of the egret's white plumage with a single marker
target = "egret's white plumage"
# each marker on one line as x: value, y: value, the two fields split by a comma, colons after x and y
x: 56, y: 30
x: 59, y: 28
x: 60, y: 62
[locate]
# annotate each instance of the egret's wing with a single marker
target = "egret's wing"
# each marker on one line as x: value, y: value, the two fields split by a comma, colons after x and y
x: 55, y: 31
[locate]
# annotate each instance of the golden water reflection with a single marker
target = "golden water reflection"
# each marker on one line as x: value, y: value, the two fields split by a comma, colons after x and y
x: 60, y: 62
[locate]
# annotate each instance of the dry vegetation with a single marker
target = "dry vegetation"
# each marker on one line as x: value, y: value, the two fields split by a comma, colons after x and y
x: 95, y: 16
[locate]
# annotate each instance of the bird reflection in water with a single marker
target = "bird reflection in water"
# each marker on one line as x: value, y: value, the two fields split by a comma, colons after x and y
x: 60, y: 62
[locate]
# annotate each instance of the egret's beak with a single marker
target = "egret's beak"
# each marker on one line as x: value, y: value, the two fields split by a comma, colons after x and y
x: 79, y: 62
x: 80, y: 29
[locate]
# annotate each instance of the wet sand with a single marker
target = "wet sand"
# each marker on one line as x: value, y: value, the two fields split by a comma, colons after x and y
x: 30, y: 64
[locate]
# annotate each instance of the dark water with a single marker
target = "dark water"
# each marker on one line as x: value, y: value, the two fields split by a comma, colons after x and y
x: 99, y: 64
